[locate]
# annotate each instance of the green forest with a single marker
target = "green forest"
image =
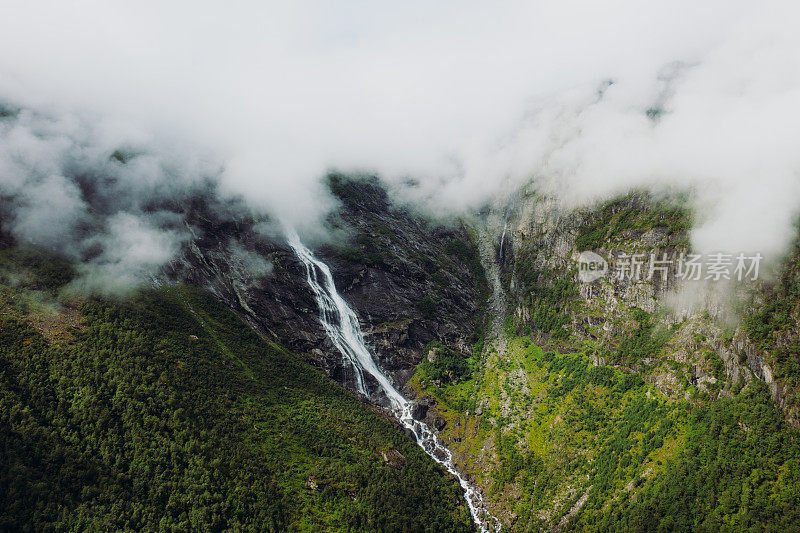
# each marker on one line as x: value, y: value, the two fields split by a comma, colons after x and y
x: 164, y: 411
x: 570, y: 430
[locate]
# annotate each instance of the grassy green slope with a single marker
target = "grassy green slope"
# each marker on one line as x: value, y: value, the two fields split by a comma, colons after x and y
x: 559, y: 443
x: 165, y: 411
x: 555, y: 433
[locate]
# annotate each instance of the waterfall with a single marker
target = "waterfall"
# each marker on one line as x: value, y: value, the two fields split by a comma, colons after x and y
x: 343, y: 328
x: 503, y: 241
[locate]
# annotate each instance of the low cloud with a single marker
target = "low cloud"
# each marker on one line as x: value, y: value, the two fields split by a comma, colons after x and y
x: 68, y: 187
x: 466, y: 98
x: 132, y: 251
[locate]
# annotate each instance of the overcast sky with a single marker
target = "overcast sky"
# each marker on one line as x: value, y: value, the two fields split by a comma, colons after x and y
x: 465, y: 97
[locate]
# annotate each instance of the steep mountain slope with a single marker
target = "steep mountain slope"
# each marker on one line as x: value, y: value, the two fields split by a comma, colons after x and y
x: 769, y: 339
x: 606, y: 405
x: 165, y: 411
x: 412, y: 280
x: 591, y: 405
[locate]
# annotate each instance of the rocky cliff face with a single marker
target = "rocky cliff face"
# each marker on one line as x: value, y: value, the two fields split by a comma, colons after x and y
x: 527, y: 426
x: 414, y: 281
x: 411, y: 280
x: 568, y: 359
x: 699, y: 347
x: 639, y: 316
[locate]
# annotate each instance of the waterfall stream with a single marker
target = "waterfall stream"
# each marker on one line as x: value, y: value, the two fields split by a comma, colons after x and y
x: 343, y: 328
x: 503, y: 241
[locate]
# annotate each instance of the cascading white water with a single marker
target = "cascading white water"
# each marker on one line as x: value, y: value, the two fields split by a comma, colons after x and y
x: 503, y: 241
x: 342, y: 327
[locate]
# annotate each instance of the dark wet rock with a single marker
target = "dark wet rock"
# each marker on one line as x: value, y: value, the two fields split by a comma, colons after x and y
x: 410, y: 280
x: 440, y: 454
x: 419, y: 411
x: 438, y: 422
